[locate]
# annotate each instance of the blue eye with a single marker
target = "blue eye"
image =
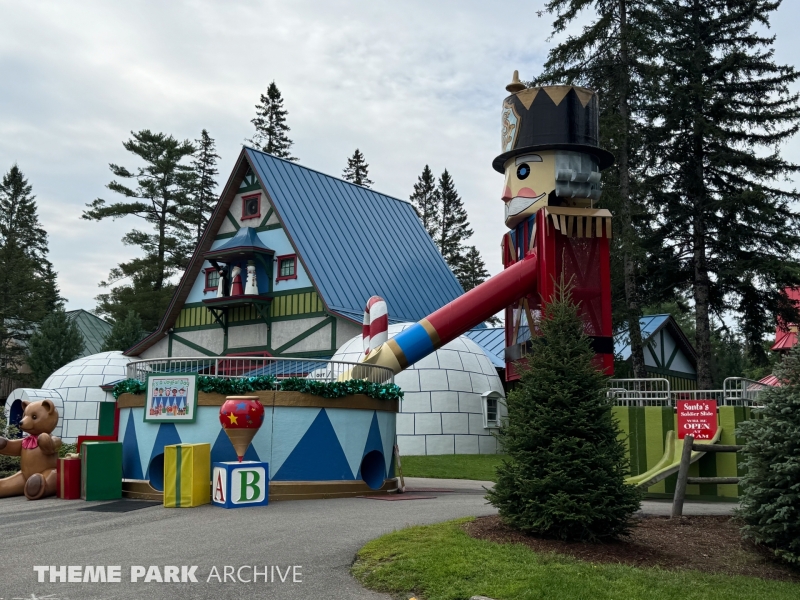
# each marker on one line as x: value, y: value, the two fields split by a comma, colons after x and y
x: 523, y: 171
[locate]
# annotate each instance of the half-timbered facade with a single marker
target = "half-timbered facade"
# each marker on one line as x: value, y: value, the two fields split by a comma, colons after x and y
x: 317, y: 248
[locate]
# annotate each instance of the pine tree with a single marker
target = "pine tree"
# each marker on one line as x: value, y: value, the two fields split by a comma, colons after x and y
x: 357, y: 170
x: 565, y: 473
x: 160, y: 198
x: 615, y: 54
x: 125, y: 333
x: 471, y: 270
x: 724, y: 107
x: 454, y: 229
x: 427, y: 202
x: 56, y: 342
x: 270, y: 122
x: 28, y: 288
x: 203, y: 196
x: 770, y: 501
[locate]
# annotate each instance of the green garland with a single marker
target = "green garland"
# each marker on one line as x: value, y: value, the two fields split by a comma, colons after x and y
x: 235, y: 386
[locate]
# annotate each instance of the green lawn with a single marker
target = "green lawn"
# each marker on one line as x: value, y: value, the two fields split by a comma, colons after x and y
x: 441, y: 562
x: 453, y: 466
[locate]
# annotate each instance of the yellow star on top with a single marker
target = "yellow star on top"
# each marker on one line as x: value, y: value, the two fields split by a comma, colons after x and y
x: 232, y: 417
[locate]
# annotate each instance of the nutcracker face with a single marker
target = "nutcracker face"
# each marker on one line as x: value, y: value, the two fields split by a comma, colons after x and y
x: 529, y: 180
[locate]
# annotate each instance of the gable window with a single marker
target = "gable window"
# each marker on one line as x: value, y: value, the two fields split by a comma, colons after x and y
x: 491, y: 409
x: 287, y: 267
x: 251, y: 206
x: 212, y: 280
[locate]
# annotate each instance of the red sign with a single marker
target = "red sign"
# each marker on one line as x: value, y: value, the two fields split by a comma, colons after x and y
x: 698, y: 418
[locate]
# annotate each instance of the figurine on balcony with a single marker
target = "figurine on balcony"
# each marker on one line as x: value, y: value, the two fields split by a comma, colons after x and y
x: 251, y: 287
x: 221, y: 284
x: 236, y: 281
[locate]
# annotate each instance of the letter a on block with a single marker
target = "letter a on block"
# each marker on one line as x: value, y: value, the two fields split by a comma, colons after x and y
x: 220, y: 477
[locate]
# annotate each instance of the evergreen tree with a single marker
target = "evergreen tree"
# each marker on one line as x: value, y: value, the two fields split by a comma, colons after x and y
x: 270, y: 122
x: 160, y: 199
x: 471, y: 270
x: 357, y: 170
x: 28, y: 289
x: 615, y: 54
x: 427, y: 202
x: 56, y: 342
x: 125, y: 333
x: 565, y: 473
x: 203, y: 196
x: 770, y: 501
x: 723, y: 108
x: 454, y: 229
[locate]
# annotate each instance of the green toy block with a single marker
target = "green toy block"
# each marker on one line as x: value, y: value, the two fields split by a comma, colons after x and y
x: 101, y: 470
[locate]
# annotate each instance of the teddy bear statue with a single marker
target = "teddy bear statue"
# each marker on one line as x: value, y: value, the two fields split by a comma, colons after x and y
x: 38, y: 453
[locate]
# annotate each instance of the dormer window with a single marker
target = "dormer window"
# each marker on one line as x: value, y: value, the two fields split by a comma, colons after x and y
x: 251, y: 206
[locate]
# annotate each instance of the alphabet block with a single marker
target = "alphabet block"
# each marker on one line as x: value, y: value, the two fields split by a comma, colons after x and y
x: 240, y: 484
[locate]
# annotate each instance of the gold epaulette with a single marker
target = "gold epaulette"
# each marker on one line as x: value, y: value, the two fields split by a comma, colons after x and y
x: 580, y: 222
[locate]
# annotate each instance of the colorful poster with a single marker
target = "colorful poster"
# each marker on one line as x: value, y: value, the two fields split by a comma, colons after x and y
x: 171, y: 398
x: 698, y: 418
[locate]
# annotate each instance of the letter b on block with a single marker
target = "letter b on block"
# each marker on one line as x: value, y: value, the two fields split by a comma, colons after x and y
x: 240, y: 484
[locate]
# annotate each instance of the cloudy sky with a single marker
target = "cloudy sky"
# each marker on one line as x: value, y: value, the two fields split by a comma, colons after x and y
x: 409, y: 83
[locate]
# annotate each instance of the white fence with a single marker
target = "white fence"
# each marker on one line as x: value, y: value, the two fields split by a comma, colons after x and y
x: 255, y: 366
x: 736, y: 391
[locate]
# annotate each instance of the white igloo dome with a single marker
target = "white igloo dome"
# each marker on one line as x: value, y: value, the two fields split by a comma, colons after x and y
x: 76, y: 392
x: 444, y: 410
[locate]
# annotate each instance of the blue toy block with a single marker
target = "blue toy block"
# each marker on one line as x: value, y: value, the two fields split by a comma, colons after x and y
x: 240, y: 484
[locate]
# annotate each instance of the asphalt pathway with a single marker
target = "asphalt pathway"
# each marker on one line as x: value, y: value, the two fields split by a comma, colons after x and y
x: 312, y: 541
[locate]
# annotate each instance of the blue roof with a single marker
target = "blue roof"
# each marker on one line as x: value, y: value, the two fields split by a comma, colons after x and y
x: 246, y: 237
x: 493, y: 341
x: 355, y: 242
x: 649, y: 324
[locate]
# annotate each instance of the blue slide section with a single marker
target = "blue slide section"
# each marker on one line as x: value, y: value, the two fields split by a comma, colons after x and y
x: 415, y: 343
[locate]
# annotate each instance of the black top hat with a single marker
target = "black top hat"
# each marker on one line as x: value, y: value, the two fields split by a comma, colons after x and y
x: 555, y: 117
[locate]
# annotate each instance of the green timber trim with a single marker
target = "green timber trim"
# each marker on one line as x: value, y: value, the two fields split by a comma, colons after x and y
x: 253, y: 187
x: 266, y: 217
x: 662, y: 372
x: 305, y: 334
x: 291, y: 304
x: 192, y: 345
x: 296, y: 302
x: 224, y: 236
x: 233, y: 221
x: 653, y: 355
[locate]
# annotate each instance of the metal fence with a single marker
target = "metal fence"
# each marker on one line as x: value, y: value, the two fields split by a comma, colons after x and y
x: 640, y: 392
x: 255, y: 366
x: 736, y: 391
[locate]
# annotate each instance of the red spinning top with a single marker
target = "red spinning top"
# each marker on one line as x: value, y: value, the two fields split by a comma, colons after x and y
x: 241, y: 417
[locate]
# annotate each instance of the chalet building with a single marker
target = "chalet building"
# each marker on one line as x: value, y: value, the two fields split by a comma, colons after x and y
x: 298, y: 253
x: 668, y: 353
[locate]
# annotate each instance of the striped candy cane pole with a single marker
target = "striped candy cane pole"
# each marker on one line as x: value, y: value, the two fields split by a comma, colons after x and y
x: 376, y: 324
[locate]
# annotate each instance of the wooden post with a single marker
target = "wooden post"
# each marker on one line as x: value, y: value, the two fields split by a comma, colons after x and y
x: 683, y: 475
x: 402, y: 484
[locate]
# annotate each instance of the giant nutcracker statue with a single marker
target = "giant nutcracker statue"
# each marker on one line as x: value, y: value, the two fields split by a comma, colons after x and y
x: 552, y: 161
